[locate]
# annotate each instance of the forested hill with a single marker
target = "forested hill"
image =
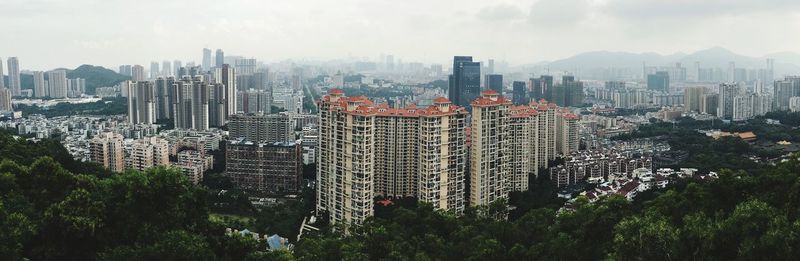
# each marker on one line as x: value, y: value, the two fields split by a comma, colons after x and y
x: 52, y: 208
x: 96, y: 76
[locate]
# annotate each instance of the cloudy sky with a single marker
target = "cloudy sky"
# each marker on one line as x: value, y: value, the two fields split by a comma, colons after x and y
x: 46, y: 34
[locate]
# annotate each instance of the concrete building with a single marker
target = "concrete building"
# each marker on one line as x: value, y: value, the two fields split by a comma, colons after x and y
x: 262, y: 128
x: 76, y: 87
x: 14, y: 80
x: 40, y: 87
x: 137, y: 73
x: 107, y: 149
x: 193, y: 163
x: 254, y: 101
x: 191, y: 103
x: 727, y: 92
x: 490, y: 172
x: 794, y: 104
x: 141, y: 102
x: 226, y: 75
x: 57, y: 81
x: 5, y: 100
x: 147, y: 153
x: 164, y: 88
x: 366, y: 150
x: 692, y: 98
x: 274, y: 168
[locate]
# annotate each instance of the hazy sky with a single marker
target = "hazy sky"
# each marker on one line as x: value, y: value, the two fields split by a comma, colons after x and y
x: 66, y: 33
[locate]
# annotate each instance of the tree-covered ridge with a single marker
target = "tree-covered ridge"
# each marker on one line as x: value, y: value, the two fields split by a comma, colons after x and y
x: 50, y: 213
x: 96, y: 76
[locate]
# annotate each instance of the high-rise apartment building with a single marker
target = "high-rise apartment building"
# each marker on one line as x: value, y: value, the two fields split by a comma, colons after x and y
x: 709, y: 103
x: 76, y: 87
x: 40, y: 87
x: 490, y: 149
x: 148, y: 152
x: 154, y: 70
x: 137, y: 73
x: 367, y: 150
x: 176, y: 67
x: 166, y: 68
x: 262, y: 128
x: 141, y: 102
x: 163, y: 89
x: 125, y: 70
x: 107, y: 149
x: 206, y: 58
x: 254, y: 101
x: 5, y: 100
x: 494, y: 82
x: 14, y: 82
x: 226, y: 75
x: 541, y: 88
x: 245, y: 66
x: 220, y: 58
x: 217, y: 105
x: 658, y: 81
x: 784, y: 90
x: 191, y: 103
x: 727, y: 91
x: 569, y: 93
x: 566, y: 132
x: 264, y: 167
x: 57, y: 81
x: 465, y: 82
x: 692, y: 98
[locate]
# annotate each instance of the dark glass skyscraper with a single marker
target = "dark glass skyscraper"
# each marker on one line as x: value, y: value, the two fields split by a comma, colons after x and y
x: 541, y: 88
x: 658, y: 81
x: 518, y: 92
x: 494, y: 82
x: 465, y: 82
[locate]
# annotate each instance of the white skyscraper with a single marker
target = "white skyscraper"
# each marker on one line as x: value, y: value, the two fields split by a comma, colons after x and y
x: 206, y: 58
x: 137, y: 73
x: 226, y: 75
x: 40, y: 87
x: 166, y: 68
x: 154, y: 71
x: 58, y: 83
x: 13, y: 76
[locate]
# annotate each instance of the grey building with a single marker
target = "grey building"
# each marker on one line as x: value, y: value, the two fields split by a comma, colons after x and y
x: 274, y: 168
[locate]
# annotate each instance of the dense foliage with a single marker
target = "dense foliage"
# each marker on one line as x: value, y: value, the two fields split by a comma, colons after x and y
x: 739, y: 216
x: 48, y: 212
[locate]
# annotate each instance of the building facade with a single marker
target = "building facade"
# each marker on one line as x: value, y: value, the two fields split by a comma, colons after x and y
x: 107, y: 149
x: 265, y: 167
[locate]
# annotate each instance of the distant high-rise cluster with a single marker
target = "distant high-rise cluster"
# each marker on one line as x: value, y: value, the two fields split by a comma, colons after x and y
x: 429, y: 153
x: 465, y: 82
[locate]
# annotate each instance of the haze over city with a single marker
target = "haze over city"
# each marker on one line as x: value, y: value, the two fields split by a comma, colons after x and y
x: 263, y: 130
x: 49, y: 34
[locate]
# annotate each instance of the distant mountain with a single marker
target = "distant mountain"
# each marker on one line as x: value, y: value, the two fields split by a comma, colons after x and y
x: 96, y: 76
x: 717, y: 57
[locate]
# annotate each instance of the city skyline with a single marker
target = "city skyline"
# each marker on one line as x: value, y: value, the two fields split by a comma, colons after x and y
x: 542, y: 30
